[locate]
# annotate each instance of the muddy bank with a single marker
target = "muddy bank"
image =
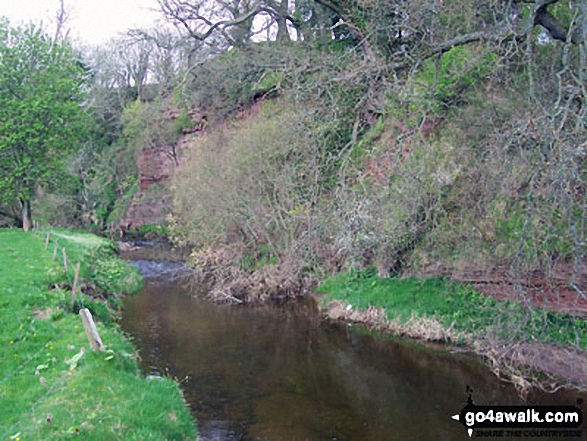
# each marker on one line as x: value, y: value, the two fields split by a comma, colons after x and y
x: 561, y: 290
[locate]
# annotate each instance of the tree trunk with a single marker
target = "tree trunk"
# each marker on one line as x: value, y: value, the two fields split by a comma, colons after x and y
x: 27, y: 219
x: 583, y: 37
x: 282, y: 32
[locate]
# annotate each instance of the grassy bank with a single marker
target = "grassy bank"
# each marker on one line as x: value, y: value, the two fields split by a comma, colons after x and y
x: 459, y: 309
x: 51, y: 385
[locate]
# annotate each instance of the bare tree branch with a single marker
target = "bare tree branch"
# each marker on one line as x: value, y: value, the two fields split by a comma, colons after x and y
x: 540, y: 16
x: 554, y: 28
x: 62, y: 16
x: 190, y: 18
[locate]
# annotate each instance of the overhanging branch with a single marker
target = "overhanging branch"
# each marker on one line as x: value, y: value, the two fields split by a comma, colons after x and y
x: 540, y: 16
x: 554, y: 28
x: 185, y: 15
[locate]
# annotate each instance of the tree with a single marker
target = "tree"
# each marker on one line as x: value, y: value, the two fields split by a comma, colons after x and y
x: 228, y: 22
x: 62, y: 16
x: 41, y: 115
x: 164, y: 49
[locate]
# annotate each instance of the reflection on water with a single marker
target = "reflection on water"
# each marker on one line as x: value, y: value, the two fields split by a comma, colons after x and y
x: 281, y: 373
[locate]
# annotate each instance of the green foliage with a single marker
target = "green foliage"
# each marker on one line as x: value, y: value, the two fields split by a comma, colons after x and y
x: 456, y: 306
x: 265, y: 255
x: 156, y: 230
x: 148, y: 124
x: 99, y: 262
x: 128, y: 189
x: 41, y: 91
x: 115, y: 276
x: 268, y: 84
x: 112, y: 179
x: 183, y: 121
x: 449, y: 76
x: 457, y: 18
x: 225, y: 82
x: 237, y: 77
x: 392, y: 205
x: 531, y: 234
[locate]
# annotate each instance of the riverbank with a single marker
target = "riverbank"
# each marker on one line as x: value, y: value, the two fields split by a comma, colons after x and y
x: 523, y: 343
x: 528, y: 346
x: 51, y: 385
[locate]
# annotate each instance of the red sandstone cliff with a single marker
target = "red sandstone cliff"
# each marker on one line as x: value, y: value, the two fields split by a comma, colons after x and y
x: 156, y: 165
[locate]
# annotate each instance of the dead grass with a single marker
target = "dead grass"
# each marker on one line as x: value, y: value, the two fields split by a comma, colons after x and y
x: 525, y: 365
x: 218, y: 270
x: 43, y: 314
x: 422, y: 328
x: 529, y: 365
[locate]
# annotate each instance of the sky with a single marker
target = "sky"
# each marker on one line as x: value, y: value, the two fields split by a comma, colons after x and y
x: 92, y: 21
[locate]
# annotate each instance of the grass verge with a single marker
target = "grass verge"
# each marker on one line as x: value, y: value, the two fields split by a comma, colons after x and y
x: 52, y: 387
x: 457, y: 308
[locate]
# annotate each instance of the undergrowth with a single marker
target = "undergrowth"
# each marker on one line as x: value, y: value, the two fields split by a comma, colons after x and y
x: 98, y: 261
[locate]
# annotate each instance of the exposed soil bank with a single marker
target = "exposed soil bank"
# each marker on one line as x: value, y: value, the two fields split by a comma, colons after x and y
x: 557, y: 291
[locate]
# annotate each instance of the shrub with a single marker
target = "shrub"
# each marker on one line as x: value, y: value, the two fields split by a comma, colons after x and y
x: 252, y: 182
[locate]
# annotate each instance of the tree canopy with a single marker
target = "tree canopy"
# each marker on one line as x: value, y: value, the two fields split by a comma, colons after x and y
x: 42, y: 119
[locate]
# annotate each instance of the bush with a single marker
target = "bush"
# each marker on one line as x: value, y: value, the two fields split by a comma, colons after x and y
x: 252, y: 182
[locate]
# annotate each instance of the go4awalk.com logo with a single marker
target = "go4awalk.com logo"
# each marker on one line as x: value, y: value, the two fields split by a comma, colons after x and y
x: 521, y: 421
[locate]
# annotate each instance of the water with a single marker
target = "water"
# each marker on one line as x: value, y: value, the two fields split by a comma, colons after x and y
x: 280, y: 372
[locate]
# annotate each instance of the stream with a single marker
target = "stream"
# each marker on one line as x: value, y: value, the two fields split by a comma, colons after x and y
x: 281, y: 372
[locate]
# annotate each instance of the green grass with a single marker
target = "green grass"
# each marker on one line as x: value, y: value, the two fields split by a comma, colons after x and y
x: 99, y: 263
x: 455, y: 305
x: 44, y: 392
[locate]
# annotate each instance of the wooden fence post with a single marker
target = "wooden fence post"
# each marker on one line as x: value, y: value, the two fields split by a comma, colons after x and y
x: 47, y: 239
x: 91, y: 330
x: 65, y: 262
x: 55, y: 249
x: 74, y: 287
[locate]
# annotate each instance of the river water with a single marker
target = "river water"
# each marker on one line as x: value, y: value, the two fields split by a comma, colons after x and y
x: 281, y: 372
